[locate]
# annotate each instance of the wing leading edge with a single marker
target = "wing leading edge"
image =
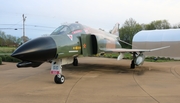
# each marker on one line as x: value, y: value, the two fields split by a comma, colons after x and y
x: 122, y: 50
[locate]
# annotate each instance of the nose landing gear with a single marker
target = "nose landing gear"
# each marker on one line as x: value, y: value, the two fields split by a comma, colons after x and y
x: 56, y: 69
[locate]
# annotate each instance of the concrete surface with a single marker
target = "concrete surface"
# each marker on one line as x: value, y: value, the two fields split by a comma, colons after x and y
x: 95, y: 80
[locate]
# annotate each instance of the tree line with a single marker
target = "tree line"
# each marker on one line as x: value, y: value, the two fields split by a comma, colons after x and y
x: 131, y: 27
x: 9, y: 40
x: 126, y: 32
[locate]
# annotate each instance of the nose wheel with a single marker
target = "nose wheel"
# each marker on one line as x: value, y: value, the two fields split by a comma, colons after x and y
x: 56, y: 69
x: 59, y: 79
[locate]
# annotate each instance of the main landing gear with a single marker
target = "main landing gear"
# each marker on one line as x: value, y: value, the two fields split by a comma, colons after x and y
x: 75, y: 61
x: 138, y: 59
x: 132, y: 64
x: 133, y: 61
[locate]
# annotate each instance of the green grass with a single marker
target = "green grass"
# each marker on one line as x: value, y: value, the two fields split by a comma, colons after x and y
x: 159, y: 59
x: 129, y: 56
x: 5, y: 53
x: 7, y: 49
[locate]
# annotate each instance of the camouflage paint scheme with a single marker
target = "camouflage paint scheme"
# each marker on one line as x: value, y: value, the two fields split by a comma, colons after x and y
x: 69, y: 41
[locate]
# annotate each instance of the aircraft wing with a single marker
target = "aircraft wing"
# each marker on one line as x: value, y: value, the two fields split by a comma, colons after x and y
x: 123, y: 50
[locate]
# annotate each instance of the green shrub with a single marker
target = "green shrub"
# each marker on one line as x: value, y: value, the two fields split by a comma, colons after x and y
x: 3, y: 57
x: 12, y: 50
x: 0, y: 60
x: 8, y: 58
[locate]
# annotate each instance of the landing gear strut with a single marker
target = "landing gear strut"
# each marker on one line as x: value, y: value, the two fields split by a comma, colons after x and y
x: 138, y: 59
x: 56, y: 69
x: 133, y: 61
x: 75, y: 61
x: 132, y: 64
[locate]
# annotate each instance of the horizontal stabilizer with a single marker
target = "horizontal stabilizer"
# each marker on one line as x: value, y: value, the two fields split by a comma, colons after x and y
x: 125, y: 42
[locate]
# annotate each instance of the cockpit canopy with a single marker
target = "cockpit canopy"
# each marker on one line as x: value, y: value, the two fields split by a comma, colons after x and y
x: 67, y: 29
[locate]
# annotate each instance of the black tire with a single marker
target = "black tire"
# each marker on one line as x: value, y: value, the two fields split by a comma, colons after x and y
x: 75, y: 62
x: 56, y: 79
x: 132, y: 64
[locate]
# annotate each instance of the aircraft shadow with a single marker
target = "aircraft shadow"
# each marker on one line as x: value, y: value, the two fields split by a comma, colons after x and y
x: 106, y: 68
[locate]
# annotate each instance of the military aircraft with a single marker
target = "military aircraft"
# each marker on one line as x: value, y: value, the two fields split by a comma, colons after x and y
x: 69, y: 41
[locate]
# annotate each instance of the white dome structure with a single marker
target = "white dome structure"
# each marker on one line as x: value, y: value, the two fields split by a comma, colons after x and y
x: 149, y: 39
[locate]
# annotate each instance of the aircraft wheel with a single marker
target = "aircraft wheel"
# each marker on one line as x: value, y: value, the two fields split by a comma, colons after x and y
x: 62, y: 79
x: 58, y: 80
x: 75, y: 62
x: 132, y: 64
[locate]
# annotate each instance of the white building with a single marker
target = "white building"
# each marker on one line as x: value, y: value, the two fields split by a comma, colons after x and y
x: 149, y: 39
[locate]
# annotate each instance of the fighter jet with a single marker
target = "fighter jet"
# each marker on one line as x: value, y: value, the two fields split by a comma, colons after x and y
x: 68, y: 42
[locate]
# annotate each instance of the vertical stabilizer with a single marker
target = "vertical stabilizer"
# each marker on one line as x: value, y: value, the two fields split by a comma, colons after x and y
x: 115, y: 30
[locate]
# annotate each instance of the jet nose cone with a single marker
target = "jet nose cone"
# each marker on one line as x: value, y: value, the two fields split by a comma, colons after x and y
x: 36, y: 50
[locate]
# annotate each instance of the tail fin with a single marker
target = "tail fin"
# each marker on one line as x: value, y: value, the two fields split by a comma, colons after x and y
x: 115, y: 30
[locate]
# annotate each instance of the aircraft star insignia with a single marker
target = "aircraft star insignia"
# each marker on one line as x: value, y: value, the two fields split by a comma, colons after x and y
x: 84, y: 45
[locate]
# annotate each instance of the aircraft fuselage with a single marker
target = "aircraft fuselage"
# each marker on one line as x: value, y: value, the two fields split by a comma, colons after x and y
x: 65, y: 41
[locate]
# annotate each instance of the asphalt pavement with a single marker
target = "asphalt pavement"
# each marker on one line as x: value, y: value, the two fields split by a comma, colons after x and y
x: 95, y: 80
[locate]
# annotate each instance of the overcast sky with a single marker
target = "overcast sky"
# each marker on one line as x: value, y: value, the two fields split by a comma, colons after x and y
x: 43, y: 16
